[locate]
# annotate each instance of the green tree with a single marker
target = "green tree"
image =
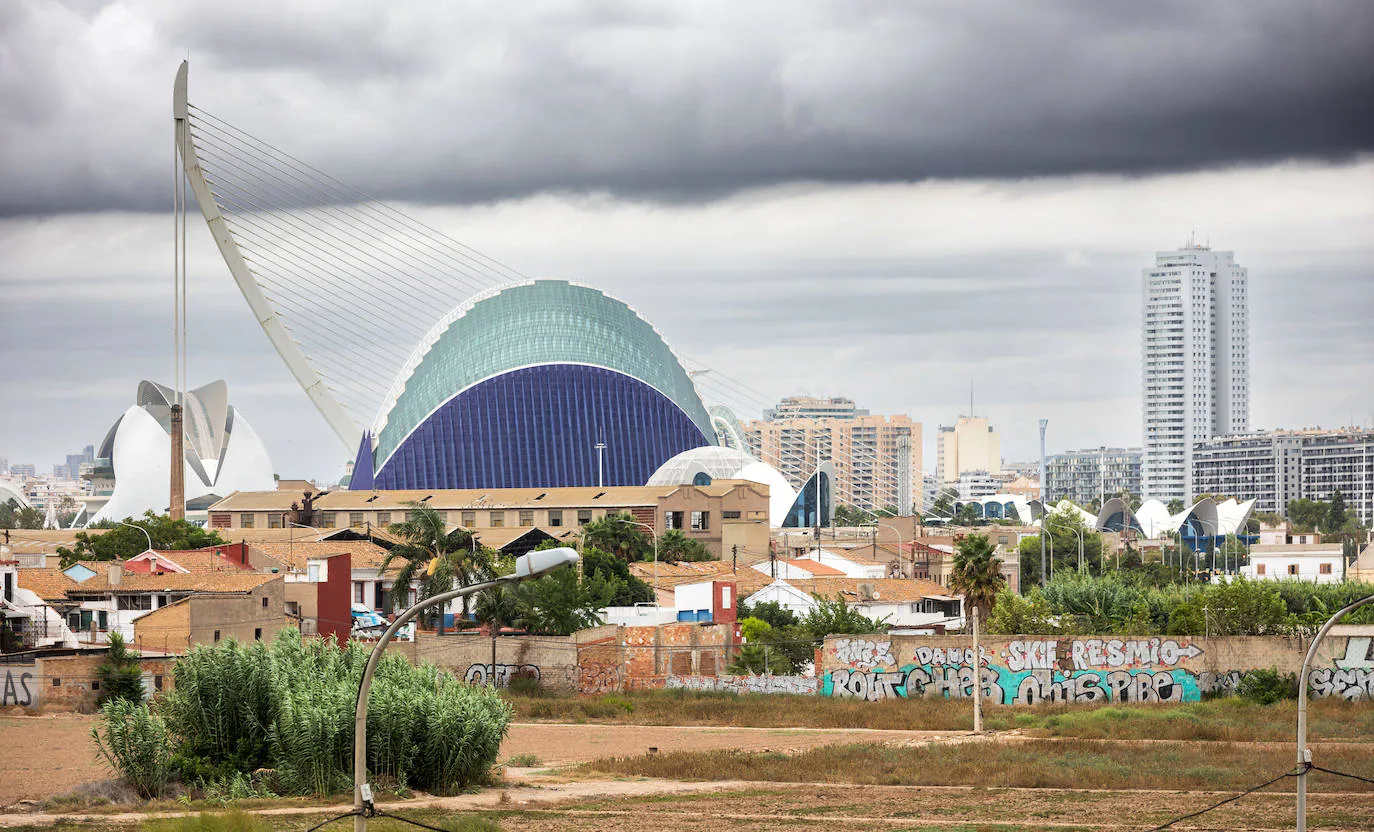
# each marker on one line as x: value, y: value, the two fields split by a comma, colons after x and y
x: 977, y: 573
x: 837, y: 617
x: 944, y: 502
x: 674, y: 546
x: 435, y: 557
x: 564, y: 602
x: 1021, y: 615
x: 632, y: 590
x: 1307, y: 515
x: 775, y: 614
x: 1336, y: 517
x: 13, y: 516
x: 619, y: 535
x: 1175, y: 506
x: 499, y: 607
x: 119, y: 542
x: 120, y: 675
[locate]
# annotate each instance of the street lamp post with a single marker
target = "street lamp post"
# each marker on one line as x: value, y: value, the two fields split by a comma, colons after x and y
x: 527, y: 566
x: 140, y: 528
x: 1080, y: 536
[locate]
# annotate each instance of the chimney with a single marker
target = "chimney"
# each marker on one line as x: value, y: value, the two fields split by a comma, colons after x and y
x: 116, y: 572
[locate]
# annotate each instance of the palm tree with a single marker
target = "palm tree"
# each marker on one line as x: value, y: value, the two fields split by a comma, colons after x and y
x: 435, y: 556
x: 977, y: 573
x: 617, y: 534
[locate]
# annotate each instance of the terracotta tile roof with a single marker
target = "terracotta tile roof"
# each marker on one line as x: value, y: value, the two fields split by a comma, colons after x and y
x: 48, y: 584
x: 888, y: 590
x: 670, y: 575
x: 365, y: 555
x: 44, y: 541
x: 202, y: 560
x: 174, y: 582
x: 816, y: 568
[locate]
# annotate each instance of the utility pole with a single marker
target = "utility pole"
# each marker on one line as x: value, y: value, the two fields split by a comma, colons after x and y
x: 1044, y: 497
x: 977, y: 678
x: 734, y: 557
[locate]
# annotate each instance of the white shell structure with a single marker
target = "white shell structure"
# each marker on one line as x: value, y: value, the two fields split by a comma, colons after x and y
x: 711, y: 462
x: 223, y: 453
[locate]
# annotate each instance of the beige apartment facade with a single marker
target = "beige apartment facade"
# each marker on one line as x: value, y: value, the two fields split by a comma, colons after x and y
x: 969, y: 445
x: 877, y: 459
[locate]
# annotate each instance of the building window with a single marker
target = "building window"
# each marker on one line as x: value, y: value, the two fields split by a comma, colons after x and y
x: 134, y: 602
x: 246, y: 520
x: 221, y: 520
x: 56, y: 682
x: 672, y: 520
x: 1259, y: 569
x: 327, y: 520
x: 498, y: 519
x: 384, y: 518
x: 526, y: 517
x: 355, y: 520
x: 469, y: 519
x: 264, y: 598
x: 157, y: 682
x: 701, y: 521
x: 358, y: 591
x: 729, y: 515
x: 555, y: 517
x: 1324, y: 569
x: 584, y: 516
x: 1292, y: 569
x: 216, y: 636
x: 274, y: 521
x: 257, y: 634
x: 312, y: 574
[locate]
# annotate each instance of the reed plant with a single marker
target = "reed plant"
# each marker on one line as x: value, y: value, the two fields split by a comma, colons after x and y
x: 133, y: 741
x: 289, y: 706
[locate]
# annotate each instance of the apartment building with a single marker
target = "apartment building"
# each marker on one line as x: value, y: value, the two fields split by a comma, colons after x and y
x: 1276, y: 467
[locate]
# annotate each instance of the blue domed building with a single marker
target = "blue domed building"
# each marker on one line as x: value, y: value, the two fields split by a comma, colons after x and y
x: 516, y: 387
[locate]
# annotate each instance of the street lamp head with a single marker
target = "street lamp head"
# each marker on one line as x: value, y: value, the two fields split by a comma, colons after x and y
x: 541, y: 562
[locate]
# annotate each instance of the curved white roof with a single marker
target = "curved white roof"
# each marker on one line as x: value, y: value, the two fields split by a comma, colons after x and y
x: 9, y: 492
x: 721, y: 463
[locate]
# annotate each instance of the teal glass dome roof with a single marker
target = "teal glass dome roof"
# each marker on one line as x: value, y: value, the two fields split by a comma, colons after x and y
x: 539, y: 322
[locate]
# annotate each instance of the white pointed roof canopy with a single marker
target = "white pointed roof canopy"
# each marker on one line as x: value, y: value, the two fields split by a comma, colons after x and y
x: 1205, y: 517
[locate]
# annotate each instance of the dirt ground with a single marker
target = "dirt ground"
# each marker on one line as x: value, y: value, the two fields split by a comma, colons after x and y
x: 48, y: 755
x: 43, y: 756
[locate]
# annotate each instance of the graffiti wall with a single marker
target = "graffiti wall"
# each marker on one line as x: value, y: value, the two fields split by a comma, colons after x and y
x: 745, y: 684
x: 1028, y: 670
x: 19, y: 686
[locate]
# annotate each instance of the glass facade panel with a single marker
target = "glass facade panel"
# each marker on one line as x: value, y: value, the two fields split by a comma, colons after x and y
x: 523, y: 429
x: 542, y: 322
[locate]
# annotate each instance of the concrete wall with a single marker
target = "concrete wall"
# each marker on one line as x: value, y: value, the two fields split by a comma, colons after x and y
x: 549, y: 660
x: 69, y: 683
x: 1034, y: 669
x: 242, y: 616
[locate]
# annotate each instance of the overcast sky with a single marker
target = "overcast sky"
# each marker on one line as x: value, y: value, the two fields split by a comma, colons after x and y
x: 887, y: 201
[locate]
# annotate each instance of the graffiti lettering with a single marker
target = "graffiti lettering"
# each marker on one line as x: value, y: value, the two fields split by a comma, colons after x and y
x: 1032, y: 655
x: 1359, y: 653
x: 869, y: 685
x: 595, y: 677
x: 481, y: 674
x: 861, y: 652
x: 1353, y: 684
x: 948, y: 655
x: 1113, y: 653
x: 16, y: 690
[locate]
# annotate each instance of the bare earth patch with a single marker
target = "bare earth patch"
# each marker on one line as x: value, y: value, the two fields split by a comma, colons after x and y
x: 42, y: 756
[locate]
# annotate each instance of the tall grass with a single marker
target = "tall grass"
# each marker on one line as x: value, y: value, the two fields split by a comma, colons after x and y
x: 289, y: 706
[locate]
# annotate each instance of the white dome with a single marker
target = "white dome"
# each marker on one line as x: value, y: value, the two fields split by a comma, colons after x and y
x: 721, y: 463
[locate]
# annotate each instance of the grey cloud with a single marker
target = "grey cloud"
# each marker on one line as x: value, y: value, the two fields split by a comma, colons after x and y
x: 437, y: 104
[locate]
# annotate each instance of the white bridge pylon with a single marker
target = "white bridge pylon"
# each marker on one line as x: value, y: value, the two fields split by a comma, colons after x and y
x: 343, y: 285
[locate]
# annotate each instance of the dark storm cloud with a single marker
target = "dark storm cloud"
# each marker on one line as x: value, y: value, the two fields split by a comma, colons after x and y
x: 440, y: 104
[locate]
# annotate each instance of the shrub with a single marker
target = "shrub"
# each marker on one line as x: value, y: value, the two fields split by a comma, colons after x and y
x: 1267, y: 686
x: 134, y: 742
x: 525, y: 686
